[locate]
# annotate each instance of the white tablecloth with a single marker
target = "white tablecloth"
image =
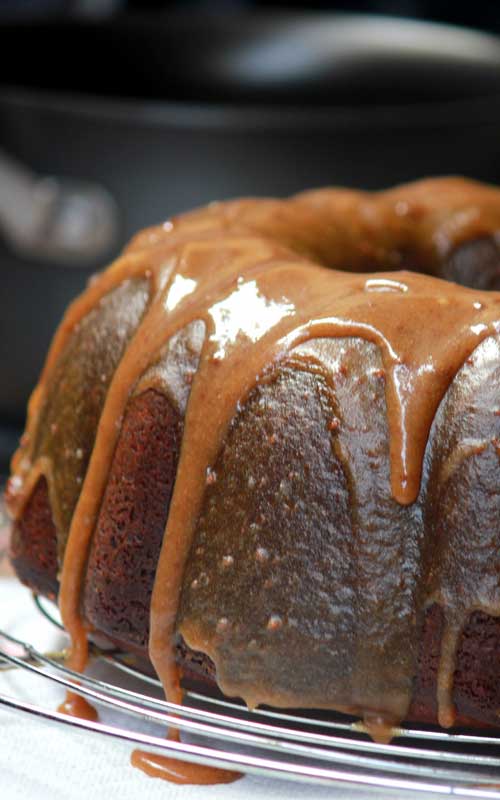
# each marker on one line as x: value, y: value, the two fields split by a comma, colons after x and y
x: 42, y: 761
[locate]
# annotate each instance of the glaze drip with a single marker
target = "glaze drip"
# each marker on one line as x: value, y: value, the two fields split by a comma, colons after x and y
x: 182, y: 772
x: 266, y: 278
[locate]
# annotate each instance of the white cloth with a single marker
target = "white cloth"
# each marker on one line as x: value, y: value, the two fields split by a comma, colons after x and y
x: 43, y: 761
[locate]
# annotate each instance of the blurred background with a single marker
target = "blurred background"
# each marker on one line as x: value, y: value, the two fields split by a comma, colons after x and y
x: 115, y: 115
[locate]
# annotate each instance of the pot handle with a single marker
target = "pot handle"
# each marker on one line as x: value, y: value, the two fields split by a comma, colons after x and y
x: 65, y: 221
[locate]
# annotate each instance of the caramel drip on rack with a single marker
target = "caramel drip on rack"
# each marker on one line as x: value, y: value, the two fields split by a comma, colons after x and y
x: 76, y: 706
x: 182, y: 772
x: 265, y: 277
x: 176, y: 771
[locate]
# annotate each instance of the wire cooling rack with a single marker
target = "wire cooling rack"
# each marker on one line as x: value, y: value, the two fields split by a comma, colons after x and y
x: 296, y: 746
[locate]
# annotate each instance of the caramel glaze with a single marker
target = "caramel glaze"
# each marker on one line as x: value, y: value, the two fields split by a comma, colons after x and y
x: 76, y: 706
x: 175, y: 771
x: 266, y: 277
x: 183, y: 772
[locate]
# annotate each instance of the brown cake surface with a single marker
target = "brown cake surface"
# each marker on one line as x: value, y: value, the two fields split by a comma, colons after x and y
x: 313, y: 435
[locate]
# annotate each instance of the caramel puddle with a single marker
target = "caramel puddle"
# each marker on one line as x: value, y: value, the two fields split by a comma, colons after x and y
x: 182, y: 772
x: 174, y: 770
x: 76, y: 706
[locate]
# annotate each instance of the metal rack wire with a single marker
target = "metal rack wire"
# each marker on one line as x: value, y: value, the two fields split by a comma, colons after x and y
x: 295, y: 746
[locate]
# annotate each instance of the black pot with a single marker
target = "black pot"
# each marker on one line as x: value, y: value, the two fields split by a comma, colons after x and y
x: 172, y: 112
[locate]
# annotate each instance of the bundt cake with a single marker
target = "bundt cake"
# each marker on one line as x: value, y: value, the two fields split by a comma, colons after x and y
x: 264, y: 453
